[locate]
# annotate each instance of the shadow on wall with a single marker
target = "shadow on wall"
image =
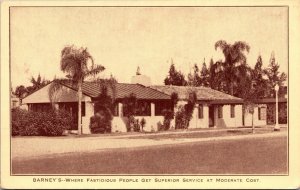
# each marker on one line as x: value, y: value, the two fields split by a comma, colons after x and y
x: 221, y: 123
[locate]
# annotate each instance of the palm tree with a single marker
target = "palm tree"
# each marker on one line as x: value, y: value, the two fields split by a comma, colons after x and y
x: 235, y: 64
x: 75, y: 62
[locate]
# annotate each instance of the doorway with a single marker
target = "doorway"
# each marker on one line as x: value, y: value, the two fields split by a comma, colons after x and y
x: 211, y: 116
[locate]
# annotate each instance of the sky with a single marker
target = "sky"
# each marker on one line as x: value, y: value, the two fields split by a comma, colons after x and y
x: 123, y: 38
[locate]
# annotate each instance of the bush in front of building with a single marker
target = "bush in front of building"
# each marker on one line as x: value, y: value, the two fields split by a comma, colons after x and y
x: 168, y: 116
x: 180, y: 118
x: 29, y: 123
x: 185, y: 113
x: 55, y: 122
x: 101, y: 121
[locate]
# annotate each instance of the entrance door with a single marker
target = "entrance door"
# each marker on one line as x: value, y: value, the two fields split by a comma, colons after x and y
x: 211, y: 116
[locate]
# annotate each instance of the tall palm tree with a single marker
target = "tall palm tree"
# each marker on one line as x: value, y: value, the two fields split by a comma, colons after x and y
x: 235, y: 64
x: 75, y: 62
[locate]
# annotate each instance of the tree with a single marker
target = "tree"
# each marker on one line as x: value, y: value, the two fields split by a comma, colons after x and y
x: 233, y: 66
x: 204, y: 75
x: 130, y: 107
x: 75, y: 62
x: 175, y: 77
x: 274, y: 76
x: 258, y: 82
x: 216, y: 75
x: 37, y: 83
x: 21, y: 91
x: 194, y: 78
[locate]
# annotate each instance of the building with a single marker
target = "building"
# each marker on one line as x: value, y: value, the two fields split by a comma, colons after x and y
x: 213, y: 108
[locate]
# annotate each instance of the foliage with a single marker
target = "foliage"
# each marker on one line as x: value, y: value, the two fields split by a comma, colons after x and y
x: 143, y: 123
x: 168, y: 116
x: 79, y: 65
x: 258, y: 82
x: 180, y: 118
x: 130, y: 107
x: 194, y: 78
x: 174, y: 98
x: 21, y: 91
x: 175, y: 77
x: 136, y: 125
x: 274, y: 77
x: 29, y: 123
x: 233, y: 67
x: 282, y: 114
x: 185, y: 113
x: 101, y: 122
x: 204, y: 75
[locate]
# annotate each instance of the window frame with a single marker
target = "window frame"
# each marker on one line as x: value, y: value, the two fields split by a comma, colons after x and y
x: 232, y: 111
x: 200, y: 111
x: 220, y: 111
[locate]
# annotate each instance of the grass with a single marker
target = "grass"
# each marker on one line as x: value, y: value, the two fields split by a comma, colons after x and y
x: 203, y: 134
x: 239, y: 156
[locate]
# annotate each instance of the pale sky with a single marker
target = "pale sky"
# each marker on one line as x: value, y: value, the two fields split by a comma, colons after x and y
x: 123, y: 38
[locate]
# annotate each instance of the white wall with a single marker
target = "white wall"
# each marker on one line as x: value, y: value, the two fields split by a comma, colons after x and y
x: 196, y: 122
x: 89, y: 112
x: 256, y: 121
x: 119, y: 123
x: 227, y: 121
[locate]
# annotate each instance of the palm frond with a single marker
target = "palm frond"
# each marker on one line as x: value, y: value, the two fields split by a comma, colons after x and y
x: 55, y: 88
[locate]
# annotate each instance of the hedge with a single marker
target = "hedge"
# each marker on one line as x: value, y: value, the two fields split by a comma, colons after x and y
x: 29, y: 123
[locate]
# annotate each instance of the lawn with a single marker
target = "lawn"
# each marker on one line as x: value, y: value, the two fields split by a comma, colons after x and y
x: 241, y: 156
x: 204, y: 134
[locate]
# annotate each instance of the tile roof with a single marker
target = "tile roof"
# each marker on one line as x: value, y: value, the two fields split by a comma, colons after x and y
x: 203, y: 93
x: 271, y: 100
x: 93, y: 90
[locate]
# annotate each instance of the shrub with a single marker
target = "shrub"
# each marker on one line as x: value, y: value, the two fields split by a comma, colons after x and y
x: 17, y: 120
x: 136, y: 125
x: 180, y: 118
x: 185, y: 113
x: 101, y: 121
x: 55, y: 122
x: 130, y: 125
x: 143, y: 123
x: 160, y: 126
x: 168, y: 116
x: 29, y: 123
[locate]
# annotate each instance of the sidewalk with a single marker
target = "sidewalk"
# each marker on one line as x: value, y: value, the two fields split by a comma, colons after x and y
x: 40, y: 146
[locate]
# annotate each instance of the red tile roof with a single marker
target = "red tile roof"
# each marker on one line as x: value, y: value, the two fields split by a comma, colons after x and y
x: 203, y: 93
x: 93, y: 89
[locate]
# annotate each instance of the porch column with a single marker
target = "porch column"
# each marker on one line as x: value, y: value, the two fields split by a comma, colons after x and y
x: 205, y: 116
x: 152, y: 109
x: 89, y: 112
x: 56, y: 106
x: 120, y: 109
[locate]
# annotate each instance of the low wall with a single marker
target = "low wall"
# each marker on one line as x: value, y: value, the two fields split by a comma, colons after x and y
x: 119, y: 123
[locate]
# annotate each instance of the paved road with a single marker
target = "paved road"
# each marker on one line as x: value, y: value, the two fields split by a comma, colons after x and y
x: 260, y: 155
x: 29, y: 147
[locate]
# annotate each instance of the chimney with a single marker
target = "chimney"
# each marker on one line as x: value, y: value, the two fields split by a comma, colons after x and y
x: 140, y: 79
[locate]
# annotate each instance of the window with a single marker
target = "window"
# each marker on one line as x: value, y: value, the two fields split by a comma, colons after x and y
x: 232, y: 111
x: 161, y: 106
x: 200, y: 111
x: 143, y: 108
x: 116, y: 109
x: 40, y: 107
x: 261, y: 113
x: 220, y: 111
